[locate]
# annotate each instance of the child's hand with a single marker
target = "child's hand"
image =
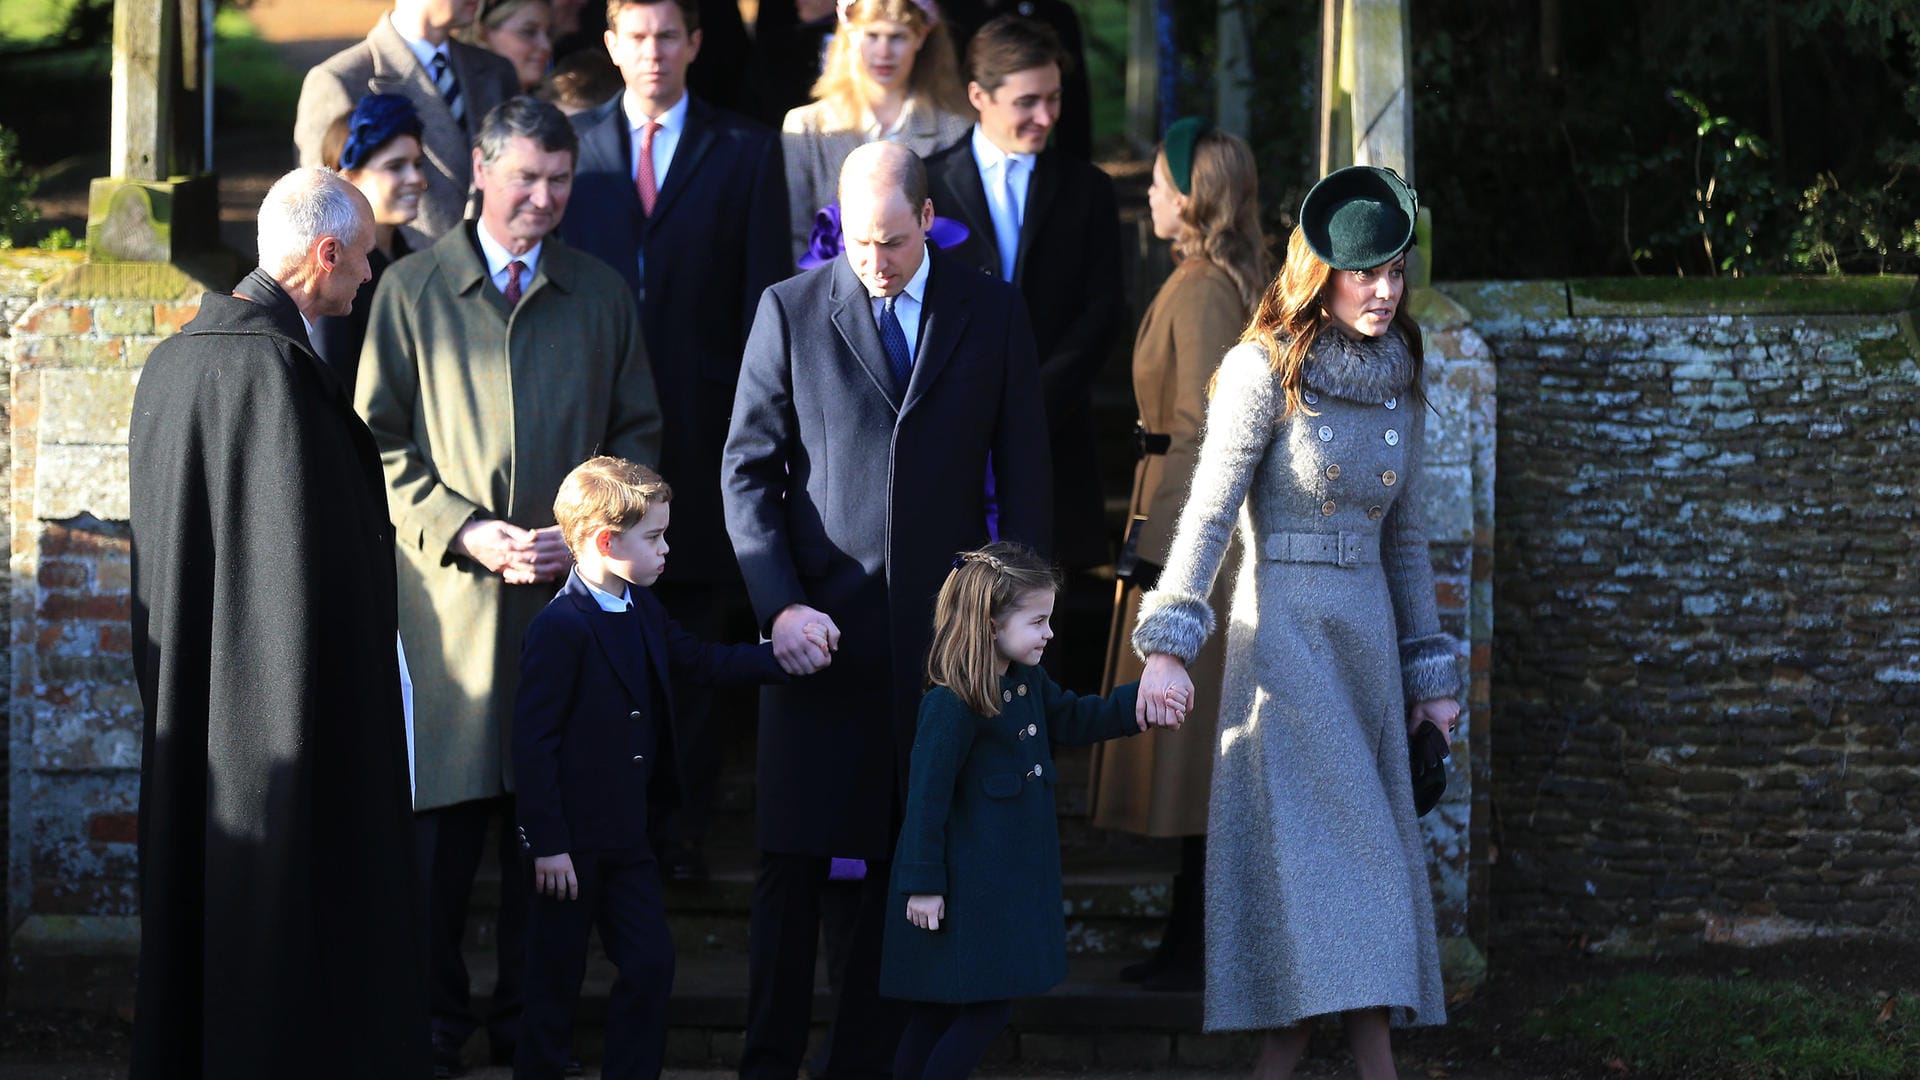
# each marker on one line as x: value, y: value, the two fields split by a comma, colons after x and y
x: 816, y: 635
x: 926, y: 912
x: 1176, y: 700
x: 553, y: 876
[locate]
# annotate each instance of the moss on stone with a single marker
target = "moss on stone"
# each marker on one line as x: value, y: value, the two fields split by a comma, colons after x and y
x: 1740, y: 296
x: 143, y: 281
x: 1508, y: 301
x: 1434, y: 310
x: 1882, y: 355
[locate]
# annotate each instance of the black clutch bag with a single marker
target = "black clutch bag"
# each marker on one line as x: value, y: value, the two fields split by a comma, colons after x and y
x: 1428, y: 753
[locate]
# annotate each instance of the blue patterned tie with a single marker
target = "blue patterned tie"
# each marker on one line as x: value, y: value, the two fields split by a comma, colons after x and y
x: 449, y: 87
x: 895, y: 339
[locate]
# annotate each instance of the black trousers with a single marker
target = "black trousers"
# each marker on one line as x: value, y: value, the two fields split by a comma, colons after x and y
x: 619, y: 895
x: 785, y: 937
x: 702, y: 715
x: 449, y: 843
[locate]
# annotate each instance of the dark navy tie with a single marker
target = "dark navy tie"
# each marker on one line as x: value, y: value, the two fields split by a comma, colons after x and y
x: 895, y: 339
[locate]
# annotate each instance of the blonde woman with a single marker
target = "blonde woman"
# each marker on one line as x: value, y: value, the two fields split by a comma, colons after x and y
x: 521, y: 31
x: 1204, y: 200
x: 890, y: 73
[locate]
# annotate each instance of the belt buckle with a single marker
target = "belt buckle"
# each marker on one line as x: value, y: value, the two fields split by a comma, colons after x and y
x: 1349, y: 549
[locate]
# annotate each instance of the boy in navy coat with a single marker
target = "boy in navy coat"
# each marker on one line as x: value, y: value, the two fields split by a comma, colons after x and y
x: 594, y: 747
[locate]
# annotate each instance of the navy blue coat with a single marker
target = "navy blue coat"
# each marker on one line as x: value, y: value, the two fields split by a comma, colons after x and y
x: 848, y: 496
x: 1068, y: 270
x: 716, y: 239
x: 980, y: 831
x: 593, y: 721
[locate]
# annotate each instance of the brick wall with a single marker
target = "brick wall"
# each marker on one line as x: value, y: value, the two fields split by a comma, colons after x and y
x: 1707, y: 640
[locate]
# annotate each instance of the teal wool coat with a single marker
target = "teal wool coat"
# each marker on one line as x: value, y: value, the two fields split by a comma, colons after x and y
x: 980, y: 831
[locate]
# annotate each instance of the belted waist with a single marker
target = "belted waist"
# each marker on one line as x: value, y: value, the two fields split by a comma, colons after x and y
x: 1343, y: 549
x: 1146, y: 442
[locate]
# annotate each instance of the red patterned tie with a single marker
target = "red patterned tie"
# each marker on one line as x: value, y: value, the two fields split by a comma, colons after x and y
x: 514, y: 270
x: 643, y: 175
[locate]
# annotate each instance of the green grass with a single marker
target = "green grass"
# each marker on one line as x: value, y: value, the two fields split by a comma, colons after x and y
x: 252, y: 88
x: 28, y: 22
x: 1739, y: 1029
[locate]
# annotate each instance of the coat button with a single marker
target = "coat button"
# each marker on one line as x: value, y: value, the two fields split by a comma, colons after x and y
x: 1333, y: 472
x: 1327, y: 508
x: 1006, y: 695
x: 1392, y: 403
x: 1375, y: 513
x: 1326, y: 433
x: 1036, y: 771
x: 1021, y: 734
x: 1393, y: 437
x: 1389, y: 478
x: 637, y: 758
x: 1310, y: 398
x: 1033, y: 729
x: 1021, y: 689
x: 634, y: 715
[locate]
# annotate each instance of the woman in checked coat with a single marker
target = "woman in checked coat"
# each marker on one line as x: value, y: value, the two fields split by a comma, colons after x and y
x: 1317, y: 899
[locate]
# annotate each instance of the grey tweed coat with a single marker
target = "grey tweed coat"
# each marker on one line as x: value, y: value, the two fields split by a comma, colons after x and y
x: 1317, y: 893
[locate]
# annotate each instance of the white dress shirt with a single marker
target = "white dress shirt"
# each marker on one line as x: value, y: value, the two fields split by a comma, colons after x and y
x: 908, y: 305
x: 665, y: 141
x: 993, y: 164
x: 608, y: 601
x: 421, y: 50
x: 498, y: 258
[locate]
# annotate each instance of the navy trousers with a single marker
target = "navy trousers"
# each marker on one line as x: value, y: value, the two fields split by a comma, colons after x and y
x: 620, y: 896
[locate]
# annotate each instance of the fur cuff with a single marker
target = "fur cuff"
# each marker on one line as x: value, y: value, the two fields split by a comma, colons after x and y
x: 1429, y: 668
x: 1174, y: 623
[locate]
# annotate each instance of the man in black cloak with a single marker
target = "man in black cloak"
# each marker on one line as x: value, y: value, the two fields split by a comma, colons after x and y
x: 278, y: 921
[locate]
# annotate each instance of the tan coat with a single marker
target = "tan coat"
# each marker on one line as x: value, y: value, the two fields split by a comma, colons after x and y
x: 1158, y: 785
x: 814, y: 154
x: 383, y: 64
x: 481, y: 410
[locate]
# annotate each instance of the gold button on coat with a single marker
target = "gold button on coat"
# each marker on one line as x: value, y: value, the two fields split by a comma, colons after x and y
x: 1327, y: 508
x: 1333, y: 472
x: 1389, y: 478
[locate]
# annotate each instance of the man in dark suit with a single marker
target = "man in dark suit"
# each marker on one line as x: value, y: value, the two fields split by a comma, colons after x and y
x: 872, y: 394
x: 1049, y: 223
x: 1074, y: 130
x: 452, y: 85
x: 689, y: 204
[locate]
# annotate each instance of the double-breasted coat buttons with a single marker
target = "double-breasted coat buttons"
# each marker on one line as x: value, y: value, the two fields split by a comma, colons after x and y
x: 1392, y: 403
x: 1375, y: 513
x: 1326, y: 433
x: 1389, y: 478
x: 1333, y: 472
x: 1006, y: 695
x: 634, y: 715
x: 1393, y: 437
x: 1310, y: 398
x: 1021, y: 689
x: 1327, y: 508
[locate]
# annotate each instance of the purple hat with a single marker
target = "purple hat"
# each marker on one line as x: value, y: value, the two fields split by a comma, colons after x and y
x: 824, y: 245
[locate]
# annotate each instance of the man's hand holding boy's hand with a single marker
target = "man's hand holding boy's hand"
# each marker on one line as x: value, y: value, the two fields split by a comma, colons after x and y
x: 553, y: 876
x: 926, y: 912
x: 804, y: 639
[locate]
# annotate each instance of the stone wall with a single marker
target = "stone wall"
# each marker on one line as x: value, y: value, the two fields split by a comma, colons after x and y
x: 1707, y: 645
x: 74, y: 735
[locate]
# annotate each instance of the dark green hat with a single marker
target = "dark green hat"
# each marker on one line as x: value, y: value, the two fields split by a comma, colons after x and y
x: 1180, y: 139
x: 1359, y: 217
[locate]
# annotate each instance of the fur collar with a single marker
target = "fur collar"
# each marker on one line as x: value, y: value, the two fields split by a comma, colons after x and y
x: 1369, y: 370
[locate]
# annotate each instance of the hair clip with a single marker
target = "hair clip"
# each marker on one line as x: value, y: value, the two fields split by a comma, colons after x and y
x: 959, y: 561
x: 927, y: 8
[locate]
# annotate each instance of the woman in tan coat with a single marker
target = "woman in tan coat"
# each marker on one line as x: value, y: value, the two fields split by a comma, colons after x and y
x: 1204, y: 200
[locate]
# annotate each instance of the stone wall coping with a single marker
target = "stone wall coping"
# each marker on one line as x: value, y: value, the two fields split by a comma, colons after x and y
x: 1504, y: 301
x: 77, y: 935
x: 161, y: 282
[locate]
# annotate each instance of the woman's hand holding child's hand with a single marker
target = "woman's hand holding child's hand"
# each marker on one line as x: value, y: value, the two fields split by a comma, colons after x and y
x: 1165, y: 695
x: 553, y: 876
x: 926, y: 912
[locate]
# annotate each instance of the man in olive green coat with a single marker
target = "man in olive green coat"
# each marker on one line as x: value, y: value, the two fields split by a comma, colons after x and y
x: 495, y: 361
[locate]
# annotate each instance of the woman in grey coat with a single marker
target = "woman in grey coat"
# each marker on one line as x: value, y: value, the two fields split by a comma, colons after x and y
x: 1317, y: 898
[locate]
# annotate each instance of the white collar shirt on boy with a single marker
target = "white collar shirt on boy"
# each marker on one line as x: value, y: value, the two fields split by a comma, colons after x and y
x: 608, y: 601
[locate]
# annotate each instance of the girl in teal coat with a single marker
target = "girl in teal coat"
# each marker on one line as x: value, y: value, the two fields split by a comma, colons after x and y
x: 977, y: 868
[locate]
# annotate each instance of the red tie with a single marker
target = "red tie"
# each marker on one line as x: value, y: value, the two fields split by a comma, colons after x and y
x: 643, y: 176
x: 514, y: 270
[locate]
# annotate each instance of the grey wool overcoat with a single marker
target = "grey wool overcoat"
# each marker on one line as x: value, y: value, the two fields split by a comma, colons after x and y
x: 480, y: 410
x: 1317, y: 893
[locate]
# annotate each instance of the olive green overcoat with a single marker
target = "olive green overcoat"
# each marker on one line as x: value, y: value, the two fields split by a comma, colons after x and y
x: 480, y: 410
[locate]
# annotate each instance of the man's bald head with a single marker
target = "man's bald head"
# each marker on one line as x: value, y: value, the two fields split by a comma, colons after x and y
x: 884, y: 166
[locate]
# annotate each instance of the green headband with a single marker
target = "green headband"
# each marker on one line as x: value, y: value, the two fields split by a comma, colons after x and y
x: 1179, y: 142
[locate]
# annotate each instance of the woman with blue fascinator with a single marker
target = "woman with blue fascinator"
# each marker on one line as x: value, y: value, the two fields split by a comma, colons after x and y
x: 376, y: 148
x: 1317, y: 899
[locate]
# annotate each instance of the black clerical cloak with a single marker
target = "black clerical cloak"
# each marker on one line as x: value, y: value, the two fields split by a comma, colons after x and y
x: 278, y: 933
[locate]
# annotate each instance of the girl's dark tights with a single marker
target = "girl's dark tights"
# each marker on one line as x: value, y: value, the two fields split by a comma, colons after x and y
x: 945, y: 1042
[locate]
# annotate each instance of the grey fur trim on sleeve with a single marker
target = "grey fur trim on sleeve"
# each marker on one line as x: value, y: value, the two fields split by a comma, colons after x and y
x: 1429, y: 668
x: 1175, y: 623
